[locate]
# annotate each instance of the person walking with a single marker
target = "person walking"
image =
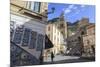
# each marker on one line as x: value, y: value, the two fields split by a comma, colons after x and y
x: 52, y: 56
x: 41, y: 58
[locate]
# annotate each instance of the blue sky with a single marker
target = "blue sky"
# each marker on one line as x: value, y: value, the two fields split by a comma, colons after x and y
x: 72, y: 12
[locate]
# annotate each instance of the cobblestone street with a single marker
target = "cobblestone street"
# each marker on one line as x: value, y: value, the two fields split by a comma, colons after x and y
x: 66, y: 59
x: 60, y: 58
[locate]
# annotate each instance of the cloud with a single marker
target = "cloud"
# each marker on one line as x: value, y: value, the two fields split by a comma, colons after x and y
x: 82, y: 6
x: 67, y: 11
x: 77, y: 12
x: 75, y: 7
x: 71, y: 6
x: 63, y: 9
x: 73, y: 10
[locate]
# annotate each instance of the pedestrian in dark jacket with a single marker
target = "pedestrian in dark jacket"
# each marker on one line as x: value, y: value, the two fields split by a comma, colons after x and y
x: 41, y: 58
x: 52, y: 56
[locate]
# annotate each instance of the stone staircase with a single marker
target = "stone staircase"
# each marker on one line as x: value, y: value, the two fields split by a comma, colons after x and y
x: 75, y: 50
x: 21, y: 56
x: 31, y: 51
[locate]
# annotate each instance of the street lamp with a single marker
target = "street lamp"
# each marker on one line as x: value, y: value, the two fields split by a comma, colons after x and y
x: 53, y: 9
